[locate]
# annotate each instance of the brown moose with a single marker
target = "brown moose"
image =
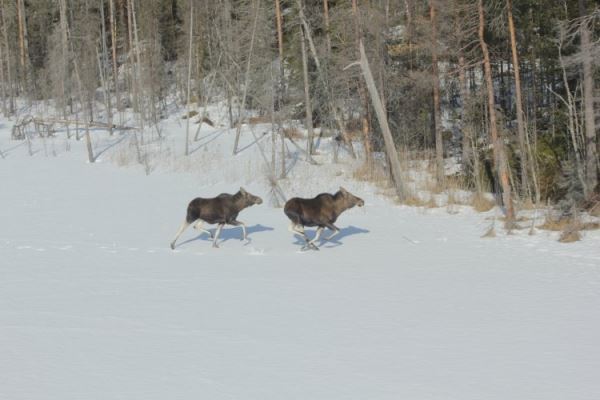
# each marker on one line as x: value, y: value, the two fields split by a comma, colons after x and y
x: 321, y: 211
x: 220, y: 210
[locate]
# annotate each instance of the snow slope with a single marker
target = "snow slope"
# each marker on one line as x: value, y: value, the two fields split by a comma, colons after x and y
x: 406, y: 304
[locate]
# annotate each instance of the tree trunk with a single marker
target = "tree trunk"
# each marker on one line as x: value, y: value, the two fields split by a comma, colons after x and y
x: 280, y: 86
x: 64, y: 40
x: 88, y: 139
x: 390, y: 147
x: 23, y: 43
x: 307, y: 103
x: 113, y: 45
x: 138, y: 63
x: 327, y: 28
x: 246, y: 82
x: 8, y: 57
x: 366, y: 129
x: 103, y: 72
x: 525, y: 190
x: 189, y: 80
x: 591, y: 172
x: 3, y: 89
x: 321, y: 73
x: 437, y: 120
x: 499, y: 153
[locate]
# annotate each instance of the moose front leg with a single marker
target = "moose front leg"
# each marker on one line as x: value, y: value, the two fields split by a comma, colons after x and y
x: 316, y: 238
x: 240, y: 223
x: 299, y: 230
x: 217, y: 233
x: 335, y: 230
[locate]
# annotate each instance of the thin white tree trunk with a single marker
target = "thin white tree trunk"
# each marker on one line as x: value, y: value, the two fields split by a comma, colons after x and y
x: 321, y: 73
x: 189, y: 79
x: 519, y: 105
x: 588, y: 102
x: 101, y: 66
x: 88, y: 139
x: 307, y: 102
x: 8, y: 57
x: 500, y: 160
x: 439, y: 149
x: 246, y: 80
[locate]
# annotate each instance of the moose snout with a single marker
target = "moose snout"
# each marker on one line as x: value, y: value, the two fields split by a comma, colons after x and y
x: 360, y: 203
x: 258, y: 200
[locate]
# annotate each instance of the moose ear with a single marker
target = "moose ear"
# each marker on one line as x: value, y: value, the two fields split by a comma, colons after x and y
x: 343, y: 190
x: 242, y: 191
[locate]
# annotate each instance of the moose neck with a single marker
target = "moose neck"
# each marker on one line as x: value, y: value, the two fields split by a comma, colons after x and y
x: 239, y: 201
x: 341, y: 203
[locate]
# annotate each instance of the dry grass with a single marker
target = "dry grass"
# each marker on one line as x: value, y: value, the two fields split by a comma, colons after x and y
x: 190, y: 114
x: 480, y: 203
x: 205, y: 120
x: 374, y: 172
x: 556, y: 224
x: 413, y: 200
x: 595, y: 209
x: 292, y: 133
x: 570, y: 227
x: 261, y: 119
x: 570, y: 236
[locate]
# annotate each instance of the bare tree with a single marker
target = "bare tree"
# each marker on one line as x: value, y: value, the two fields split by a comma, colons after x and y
x: 525, y: 190
x: 500, y: 160
x: 189, y: 79
x: 588, y: 101
x: 307, y: 102
x: 437, y: 120
x: 390, y: 147
x: 7, y: 55
x: 23, y: 43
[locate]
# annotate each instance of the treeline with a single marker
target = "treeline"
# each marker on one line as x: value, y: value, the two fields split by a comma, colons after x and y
x: 505, y: 86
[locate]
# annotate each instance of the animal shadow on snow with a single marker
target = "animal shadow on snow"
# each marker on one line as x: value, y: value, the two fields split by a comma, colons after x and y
x: 335, y: 241
x: 229, y: 232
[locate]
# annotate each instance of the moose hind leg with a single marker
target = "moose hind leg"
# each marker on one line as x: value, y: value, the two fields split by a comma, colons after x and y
x: 182, y: 228
x: 198, y: 226
x: 299, y: 230
x: 217, y: 233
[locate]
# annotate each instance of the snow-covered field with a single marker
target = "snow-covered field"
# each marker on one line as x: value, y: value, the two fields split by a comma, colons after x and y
x: 408, y: 303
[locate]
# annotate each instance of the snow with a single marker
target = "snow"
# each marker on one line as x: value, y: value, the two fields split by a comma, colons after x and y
x: 407, y: 303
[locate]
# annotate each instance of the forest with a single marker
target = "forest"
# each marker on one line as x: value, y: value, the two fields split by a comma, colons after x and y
x: 507, y: 88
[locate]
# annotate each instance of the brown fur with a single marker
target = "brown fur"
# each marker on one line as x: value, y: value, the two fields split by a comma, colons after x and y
x: 321, y: 211
x: 220, y: 210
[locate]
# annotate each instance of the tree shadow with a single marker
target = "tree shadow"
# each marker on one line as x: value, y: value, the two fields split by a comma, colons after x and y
x: 255, y: 141
x: 110, y: 145
x: 228, y: 233
x: 206, y: 139
x: 335, y: 241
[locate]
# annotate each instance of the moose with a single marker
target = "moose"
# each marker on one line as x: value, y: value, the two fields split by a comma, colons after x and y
x: 220, y: 210
x: 321, y: 211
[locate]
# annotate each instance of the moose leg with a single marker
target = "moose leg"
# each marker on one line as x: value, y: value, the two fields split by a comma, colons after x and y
x: 299, y: 230
x: 217, y: 233
x: 317, y: 236
x: 240, y: 223
x: 198, y: 226
x: 335, y: 230
x: 179, y: 232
